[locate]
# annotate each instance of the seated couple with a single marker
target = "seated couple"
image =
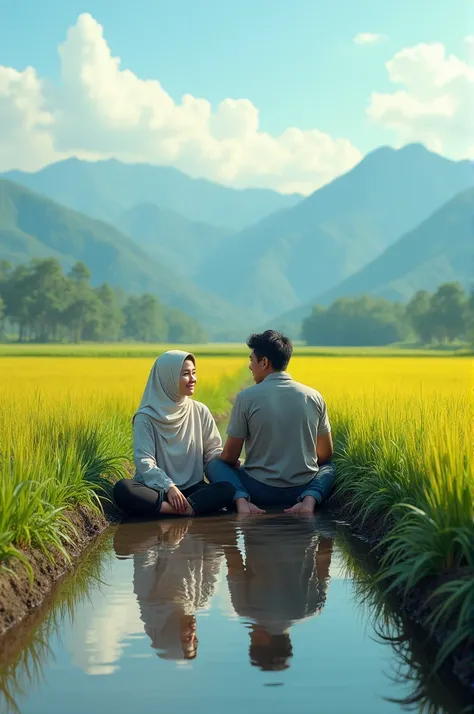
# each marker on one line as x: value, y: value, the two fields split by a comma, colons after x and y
x: 283, y: 424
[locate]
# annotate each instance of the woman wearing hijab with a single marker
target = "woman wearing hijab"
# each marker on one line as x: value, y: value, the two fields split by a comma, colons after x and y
x: 174, y: 438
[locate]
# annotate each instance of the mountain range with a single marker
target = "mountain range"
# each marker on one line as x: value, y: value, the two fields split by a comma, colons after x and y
x: 183, y: 245
x: 298, y: 253
x: 440, y: 249
x: 105, y: 189
x: 32, y: 226
x: 239, y: 259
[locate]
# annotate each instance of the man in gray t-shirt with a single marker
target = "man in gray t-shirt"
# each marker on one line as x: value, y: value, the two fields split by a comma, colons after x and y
x: 287, y: 435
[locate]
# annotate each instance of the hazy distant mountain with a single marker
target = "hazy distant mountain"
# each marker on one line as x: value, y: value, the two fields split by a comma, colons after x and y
x: 105, y: 189
x: 303, y: 251
x: 184, y: 245
x: 32, y: 226
x: 439, y: 250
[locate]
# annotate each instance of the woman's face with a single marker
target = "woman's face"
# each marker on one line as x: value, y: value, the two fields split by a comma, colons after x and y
x: 189, y: 640
x: 187, y: 380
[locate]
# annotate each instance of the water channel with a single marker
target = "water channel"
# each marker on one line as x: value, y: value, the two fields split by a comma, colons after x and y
x: 273, y: 614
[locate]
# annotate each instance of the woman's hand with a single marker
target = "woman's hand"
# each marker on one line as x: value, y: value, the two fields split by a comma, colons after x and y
x: 177, y: 500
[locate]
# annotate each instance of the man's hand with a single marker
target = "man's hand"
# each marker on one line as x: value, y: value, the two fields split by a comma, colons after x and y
x: 177, y: 500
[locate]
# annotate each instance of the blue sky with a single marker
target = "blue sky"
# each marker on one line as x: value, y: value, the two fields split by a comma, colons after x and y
x: 294, y: 60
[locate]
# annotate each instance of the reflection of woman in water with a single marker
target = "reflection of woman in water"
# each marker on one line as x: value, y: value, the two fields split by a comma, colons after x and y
x: 284, y: 580
x: 175, y: 574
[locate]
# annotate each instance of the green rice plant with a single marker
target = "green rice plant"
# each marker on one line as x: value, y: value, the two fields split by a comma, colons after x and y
x: 46, y: 467
x: 64, y: 443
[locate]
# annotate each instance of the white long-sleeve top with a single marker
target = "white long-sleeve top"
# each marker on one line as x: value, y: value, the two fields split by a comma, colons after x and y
x: 163, y: 462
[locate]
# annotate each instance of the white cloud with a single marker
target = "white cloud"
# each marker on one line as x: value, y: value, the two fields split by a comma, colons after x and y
x: 100, y: 110
x: 368, y: 38
x: 25, y: 124
x: 436, y: 103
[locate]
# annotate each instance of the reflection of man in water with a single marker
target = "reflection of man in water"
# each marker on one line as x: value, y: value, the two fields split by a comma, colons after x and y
x: 175, y: 574
x: 284, y: 580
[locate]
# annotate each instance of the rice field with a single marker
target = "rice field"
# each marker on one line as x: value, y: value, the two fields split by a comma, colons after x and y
x: 65, y: 434
x: 404, y: 443
x: 403, y: 430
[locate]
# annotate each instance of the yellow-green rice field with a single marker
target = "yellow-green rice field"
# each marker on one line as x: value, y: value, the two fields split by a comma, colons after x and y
x: 402, y: 425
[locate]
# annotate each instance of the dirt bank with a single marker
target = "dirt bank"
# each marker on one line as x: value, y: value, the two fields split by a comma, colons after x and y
x: 18, y: 596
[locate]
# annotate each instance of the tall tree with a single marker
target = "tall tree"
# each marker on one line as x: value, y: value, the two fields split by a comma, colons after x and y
x: 5, y: 270
x: 470, y: 319
x: 420, y: 317
x: 84, y: 305
x: 357, y: 321
x: 448, y: 312
x: 47, y: 292
x: 17, y: 300
x: 107, y: 321
x: 144, y: 319
x: 182, y: 328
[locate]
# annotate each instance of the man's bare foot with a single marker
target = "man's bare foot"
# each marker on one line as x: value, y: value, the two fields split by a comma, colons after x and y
x: 305, y: 507
x: 246, y: 508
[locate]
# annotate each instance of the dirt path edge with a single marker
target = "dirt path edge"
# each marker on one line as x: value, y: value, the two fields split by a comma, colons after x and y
x: 18, y: 596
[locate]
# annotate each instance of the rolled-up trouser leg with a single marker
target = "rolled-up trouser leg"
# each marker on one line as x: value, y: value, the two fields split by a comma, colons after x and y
x: 217, y: 471
x: 320, y: 486
x: 136, y: 499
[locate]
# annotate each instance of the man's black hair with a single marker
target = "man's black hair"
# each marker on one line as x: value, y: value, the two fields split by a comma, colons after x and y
x: 274, y: 346
x: 274, y: 656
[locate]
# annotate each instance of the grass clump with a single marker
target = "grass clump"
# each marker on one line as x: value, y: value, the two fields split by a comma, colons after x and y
x: 66, y: 437
x: 405, y: 473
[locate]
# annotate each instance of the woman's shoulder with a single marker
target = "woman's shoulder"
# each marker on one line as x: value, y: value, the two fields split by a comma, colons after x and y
x: 142, y: 419
x: 202, y: 409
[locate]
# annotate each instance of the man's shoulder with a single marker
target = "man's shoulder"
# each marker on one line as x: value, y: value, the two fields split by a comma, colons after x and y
x: 308, y: 391
x: 249, y: 393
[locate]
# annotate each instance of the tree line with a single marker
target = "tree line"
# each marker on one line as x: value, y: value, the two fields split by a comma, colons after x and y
x: 445, y: 316
x: 39, y: 302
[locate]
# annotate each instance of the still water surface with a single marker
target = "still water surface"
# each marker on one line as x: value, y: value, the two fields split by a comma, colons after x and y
x: 226, y: 615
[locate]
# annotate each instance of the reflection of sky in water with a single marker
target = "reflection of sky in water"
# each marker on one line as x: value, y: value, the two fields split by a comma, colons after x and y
x: 105, y: 627
x: 104, y: 661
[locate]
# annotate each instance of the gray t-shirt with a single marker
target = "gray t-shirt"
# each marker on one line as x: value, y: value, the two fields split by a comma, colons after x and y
x: 280, y: 420
x: 279, y: 591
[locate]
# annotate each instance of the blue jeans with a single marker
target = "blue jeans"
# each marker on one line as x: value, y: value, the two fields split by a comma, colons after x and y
x: 264, y: 495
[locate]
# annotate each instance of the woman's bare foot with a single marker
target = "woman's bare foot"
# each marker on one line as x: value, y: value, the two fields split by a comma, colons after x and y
x: 255, y: 510
x: 173, y: 531
x: 168, y: 510
x: 305, y: 507
x: 246, y: 508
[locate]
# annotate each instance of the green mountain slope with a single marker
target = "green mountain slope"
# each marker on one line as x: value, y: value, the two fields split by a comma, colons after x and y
x: 291, y: 256
x: 105, y: 189
x: 439, y: 250
x: 33, y: 226
x: 184, y: 245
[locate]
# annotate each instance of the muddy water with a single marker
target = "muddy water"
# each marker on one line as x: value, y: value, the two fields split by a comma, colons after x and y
x: 270, y: 614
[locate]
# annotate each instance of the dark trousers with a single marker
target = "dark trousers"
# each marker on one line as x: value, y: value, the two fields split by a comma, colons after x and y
x: 136, y: 499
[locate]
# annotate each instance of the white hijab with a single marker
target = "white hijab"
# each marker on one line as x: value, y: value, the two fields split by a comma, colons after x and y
x: 161, y: 399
